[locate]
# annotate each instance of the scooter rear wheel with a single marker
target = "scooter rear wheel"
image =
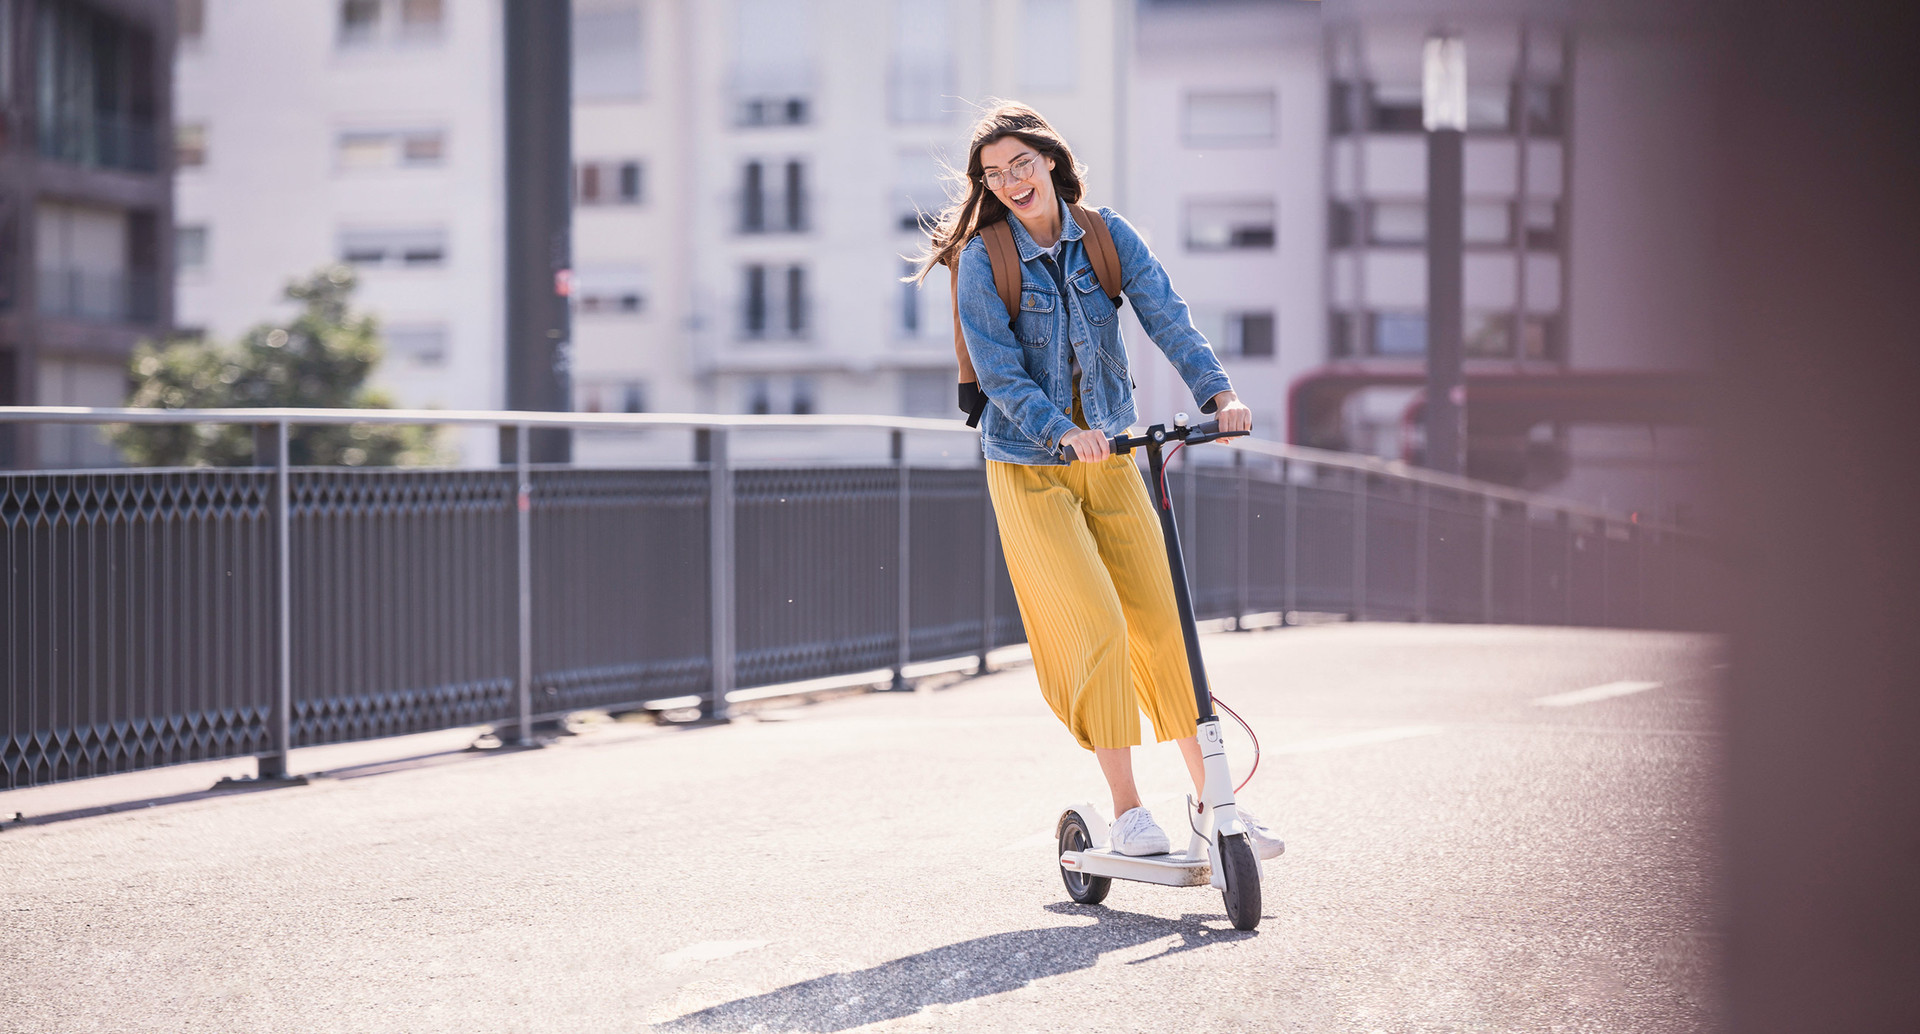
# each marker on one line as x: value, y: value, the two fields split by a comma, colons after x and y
x: 1087, y: 890
x: 1242, y: 873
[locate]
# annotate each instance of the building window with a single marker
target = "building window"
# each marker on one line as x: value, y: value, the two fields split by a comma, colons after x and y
x: 1230, y: 225
x: 96, y: 103
x: 609, y: 51
x: 612, y: 397
x: 1250, y: 334
x: 190, y: 248
x: 1346, y: 107
x: 1049, y: 46
x: 359, y: 150
x: 1543, y: 225
x: 1542, y: 106
x: 190, y: 145
x: 359, y: 22
x: 394, y: 249
x: 190, y: 19
x: 423, y: 343
x: 773, y: 62
x: 1343, y: 218
x: 1230, y: 119
x: 765, y: 208
x: 1483, y: 224
x: 1395, y: 109
x: 1398, y: 334
x: 759, y: 397
x: 909, y: 301
x: 421, y: 18
x: 608, y: 183
x: 774, y: 302
x: 366, y: 23
x: 922, y: 74
x: 803, y: 396
x: 610, y: 290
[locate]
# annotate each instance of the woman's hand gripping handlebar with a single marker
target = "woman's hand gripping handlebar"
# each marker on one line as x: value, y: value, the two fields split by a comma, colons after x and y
x: 1120, y: 444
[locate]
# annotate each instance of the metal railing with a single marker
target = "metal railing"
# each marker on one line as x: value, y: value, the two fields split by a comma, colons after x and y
x: 153, y: 617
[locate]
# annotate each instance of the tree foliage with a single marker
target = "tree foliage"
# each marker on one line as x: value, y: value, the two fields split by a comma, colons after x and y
x: 321, y: 358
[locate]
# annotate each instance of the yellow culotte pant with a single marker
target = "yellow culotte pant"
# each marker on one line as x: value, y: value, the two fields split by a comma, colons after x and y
x: 1084, y: 550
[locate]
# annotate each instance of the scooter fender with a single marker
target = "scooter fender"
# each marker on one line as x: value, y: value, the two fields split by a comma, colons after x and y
x: 1091, y: 817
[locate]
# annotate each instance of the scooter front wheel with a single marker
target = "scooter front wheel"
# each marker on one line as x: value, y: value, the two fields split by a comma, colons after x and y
x: 1242, y: 873
x: 1087, y: 890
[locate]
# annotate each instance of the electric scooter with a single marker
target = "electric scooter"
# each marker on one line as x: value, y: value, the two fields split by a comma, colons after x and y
x: 1218, y: 851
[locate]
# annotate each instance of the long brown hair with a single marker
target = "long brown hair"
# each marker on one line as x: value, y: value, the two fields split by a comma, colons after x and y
x: 972, y: 205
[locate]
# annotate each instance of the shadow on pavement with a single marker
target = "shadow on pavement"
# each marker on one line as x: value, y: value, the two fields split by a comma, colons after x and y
x: 954, y: 973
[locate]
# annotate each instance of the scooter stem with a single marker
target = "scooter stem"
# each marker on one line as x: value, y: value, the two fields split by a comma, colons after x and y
x: 1182, y: 595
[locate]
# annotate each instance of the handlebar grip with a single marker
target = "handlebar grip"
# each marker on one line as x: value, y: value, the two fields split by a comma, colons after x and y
x: 1067, y: 453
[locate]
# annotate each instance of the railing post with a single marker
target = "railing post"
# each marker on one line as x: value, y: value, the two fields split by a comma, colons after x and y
x: 1487, y: 509
x: 1243, y: 547
x: 989, y: 573
x: 1293, y: 539
x: 523, y: 582
x: 1423, y: 499
x: 1566, y: 521
x: 720, y: 555
x: 277, y: 764
x: 903, y: 563
x: 1360, y: 545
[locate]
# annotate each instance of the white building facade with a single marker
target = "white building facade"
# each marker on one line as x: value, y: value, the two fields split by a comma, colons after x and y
x: 361, y: 131
x: 751, y: 175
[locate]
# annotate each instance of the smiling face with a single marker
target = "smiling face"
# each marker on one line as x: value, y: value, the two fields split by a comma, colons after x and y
x: 1026, y: 197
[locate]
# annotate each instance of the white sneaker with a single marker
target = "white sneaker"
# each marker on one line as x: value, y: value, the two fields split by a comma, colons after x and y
x: 1265, y: 843
x: 1135, y: 834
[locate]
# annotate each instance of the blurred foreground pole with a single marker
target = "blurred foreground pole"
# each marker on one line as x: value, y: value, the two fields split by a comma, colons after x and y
x: 539, y: 260
x: 1817, y: 176
x: 1444, y: 112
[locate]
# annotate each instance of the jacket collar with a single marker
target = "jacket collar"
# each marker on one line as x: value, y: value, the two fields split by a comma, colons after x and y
x: 1069, y: 231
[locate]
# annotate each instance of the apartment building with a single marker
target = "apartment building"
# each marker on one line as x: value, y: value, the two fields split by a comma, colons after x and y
x: 368, y: 132
x: 1226, y: 134
x: 85, y: 205
x: 752, y: 174
x: 1584, y: 222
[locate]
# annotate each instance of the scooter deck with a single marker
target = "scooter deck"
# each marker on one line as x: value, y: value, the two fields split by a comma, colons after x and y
x: 1168, y: 870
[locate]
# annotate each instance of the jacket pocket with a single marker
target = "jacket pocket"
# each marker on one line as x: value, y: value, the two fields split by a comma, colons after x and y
x: 1034, y: 325
x: 1093, y: 301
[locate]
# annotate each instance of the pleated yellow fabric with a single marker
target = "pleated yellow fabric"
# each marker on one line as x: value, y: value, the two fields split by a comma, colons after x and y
x: 1089, y: 567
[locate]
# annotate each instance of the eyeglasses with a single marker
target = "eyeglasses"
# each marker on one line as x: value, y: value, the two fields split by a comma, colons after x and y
x: 1021, y: 168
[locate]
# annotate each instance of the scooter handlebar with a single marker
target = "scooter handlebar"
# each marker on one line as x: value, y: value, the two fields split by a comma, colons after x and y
x: 1196, y: 434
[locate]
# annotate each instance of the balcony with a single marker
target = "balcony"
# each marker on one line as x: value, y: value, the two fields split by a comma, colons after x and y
x: 107, y: 297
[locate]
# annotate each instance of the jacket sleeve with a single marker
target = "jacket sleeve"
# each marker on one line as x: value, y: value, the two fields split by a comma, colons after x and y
x: 999, y: 358
x: 1164, y: 314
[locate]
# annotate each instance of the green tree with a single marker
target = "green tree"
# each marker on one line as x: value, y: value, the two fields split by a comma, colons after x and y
x: 321, y: 358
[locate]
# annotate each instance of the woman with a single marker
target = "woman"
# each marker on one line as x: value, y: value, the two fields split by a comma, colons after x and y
x: 1082, y: 543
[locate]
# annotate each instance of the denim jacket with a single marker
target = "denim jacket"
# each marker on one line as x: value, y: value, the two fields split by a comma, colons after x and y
x: 1025, y: 368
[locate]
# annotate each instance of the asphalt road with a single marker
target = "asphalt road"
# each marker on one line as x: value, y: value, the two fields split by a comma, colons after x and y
x: 1461, y: 857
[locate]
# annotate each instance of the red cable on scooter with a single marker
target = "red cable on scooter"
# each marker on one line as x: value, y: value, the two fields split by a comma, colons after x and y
x: 1250, y: 735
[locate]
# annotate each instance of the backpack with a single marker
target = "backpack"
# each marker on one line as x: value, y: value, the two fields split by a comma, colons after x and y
x: 1005, y: 256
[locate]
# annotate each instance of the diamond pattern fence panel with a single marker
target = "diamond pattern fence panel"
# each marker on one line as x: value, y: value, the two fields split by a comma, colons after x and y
x: 403, y: 601
x: 135, y: 626
x: 620, y: 587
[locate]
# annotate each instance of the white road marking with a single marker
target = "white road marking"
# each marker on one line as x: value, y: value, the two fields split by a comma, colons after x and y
x: 1355, y: 739
x: 707, y: 951
x: 1604, y: 691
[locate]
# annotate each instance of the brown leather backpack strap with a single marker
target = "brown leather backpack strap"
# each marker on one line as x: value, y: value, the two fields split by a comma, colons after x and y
x: 1100, y: 249
x: 1005, y: 256
x: 967, y: 376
